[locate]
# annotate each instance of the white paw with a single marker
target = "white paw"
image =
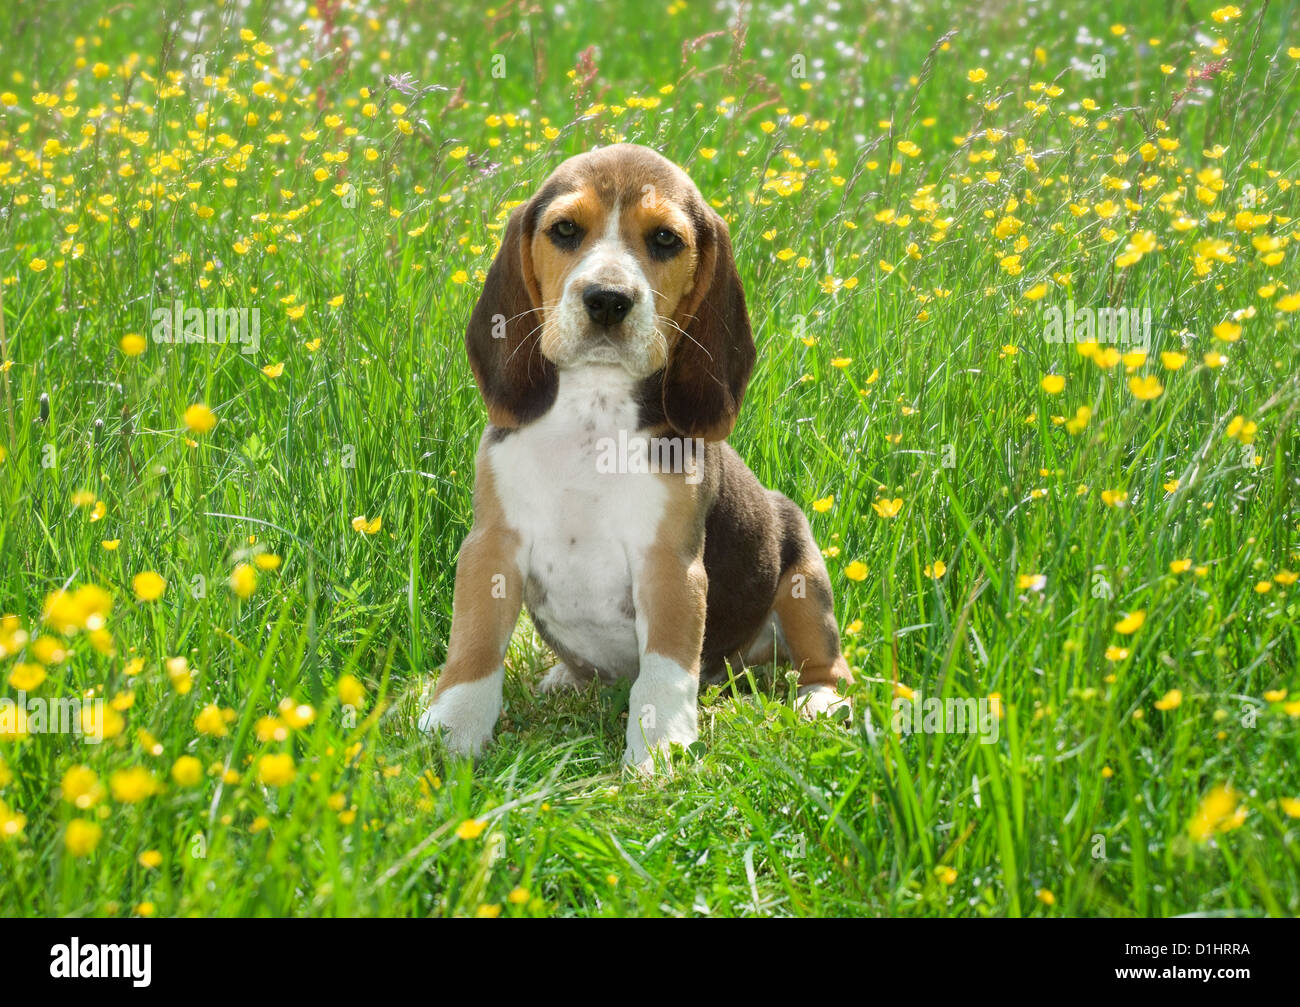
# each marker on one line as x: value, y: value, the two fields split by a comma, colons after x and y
x: 466, y: 714
x: 661, y: 711
x: 560, y: 678
x: 814, y: 700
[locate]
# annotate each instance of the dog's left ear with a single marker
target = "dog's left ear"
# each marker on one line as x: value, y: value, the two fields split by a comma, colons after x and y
x: 517, y: 383
x: 709, y: 366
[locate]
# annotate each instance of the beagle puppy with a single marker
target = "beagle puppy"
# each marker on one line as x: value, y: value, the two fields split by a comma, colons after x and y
x: 612, y: 348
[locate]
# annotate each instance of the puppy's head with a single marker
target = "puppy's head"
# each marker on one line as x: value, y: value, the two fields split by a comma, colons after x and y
x: 616, y: 260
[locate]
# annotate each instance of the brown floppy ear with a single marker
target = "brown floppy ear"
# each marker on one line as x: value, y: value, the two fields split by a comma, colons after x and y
x: 708, y: 369
x: 517, y: 383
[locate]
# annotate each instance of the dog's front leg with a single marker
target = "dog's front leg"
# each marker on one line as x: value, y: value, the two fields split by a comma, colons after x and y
x: 485, y: 607
x: 670, y: 590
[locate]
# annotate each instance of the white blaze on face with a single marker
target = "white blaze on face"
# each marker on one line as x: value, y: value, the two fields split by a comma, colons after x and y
x: 607, y: 263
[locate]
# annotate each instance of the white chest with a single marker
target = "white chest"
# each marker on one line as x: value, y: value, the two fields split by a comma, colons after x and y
x: 582, y: 526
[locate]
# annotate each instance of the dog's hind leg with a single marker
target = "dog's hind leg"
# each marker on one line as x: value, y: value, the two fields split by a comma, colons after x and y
x: 804, y: 612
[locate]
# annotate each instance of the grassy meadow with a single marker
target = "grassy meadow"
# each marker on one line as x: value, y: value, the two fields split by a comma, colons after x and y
x: 238, y: 558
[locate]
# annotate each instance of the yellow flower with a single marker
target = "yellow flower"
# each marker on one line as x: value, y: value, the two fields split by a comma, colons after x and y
x: 110, y: 544
x: 1228, y: 332
x: 148, y: 585
x: 1045, y: 896
x: 267, y: 561
x: 470, y: 828
x: 26, y: 676
x: 273, y: 371
x: 1035, y: 292
x: 1288, y: 303
x: 857, y: 570
x: 1242, y: 429
x: 1079, y: 423
x: 351, y: 691
x: 936, y: 569
x: 1107, y: 358
x: 81, y: 787
x: 133, y: 344
x: 178, y: 672
x: 243, y: 580
x: 976, y: 76
x: 841, y: 361
x: 81, y: 837
x: 518, y: 896
x: 1147, y: 388
x: 1131, y: 623
x: 1114, y: 653
x: 296, y: 715
x: 823, y: 505
x: 1214, y: 359
x: 945, y: 874
x: 200, y: 419
x: 1290, y: 807
x: 360, y: 524
x: 1031, y: 582
x: 276, y: 770
x: 270, y: 729
x: 102, y: 722
x: 187, y: 771
x: 1172, y: 361
x: 1171, y: 700
x: 1053, y: 384
x: 11, y: 822
x: 38, y: 265
x: 888, y: 508
x: 1217, y: 813
x: 211, y: 722
x: 150, y: 859
x: 130, y: 786
x: 1180, y: 565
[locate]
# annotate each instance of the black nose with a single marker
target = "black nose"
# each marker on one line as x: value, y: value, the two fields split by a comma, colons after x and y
x: 606, y: 305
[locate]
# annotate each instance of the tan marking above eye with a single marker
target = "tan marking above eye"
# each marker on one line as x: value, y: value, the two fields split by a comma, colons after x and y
x: 584, y: 208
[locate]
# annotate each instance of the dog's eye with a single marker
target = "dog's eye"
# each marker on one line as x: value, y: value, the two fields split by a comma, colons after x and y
x: 665, y: 239
x: 565, y: 234
x: 664, y: 244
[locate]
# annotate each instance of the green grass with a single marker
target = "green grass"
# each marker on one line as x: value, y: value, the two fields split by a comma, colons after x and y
x: 1091, y: 793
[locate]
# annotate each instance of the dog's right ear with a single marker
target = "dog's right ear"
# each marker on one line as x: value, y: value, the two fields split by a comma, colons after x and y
x: 517, y: 383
